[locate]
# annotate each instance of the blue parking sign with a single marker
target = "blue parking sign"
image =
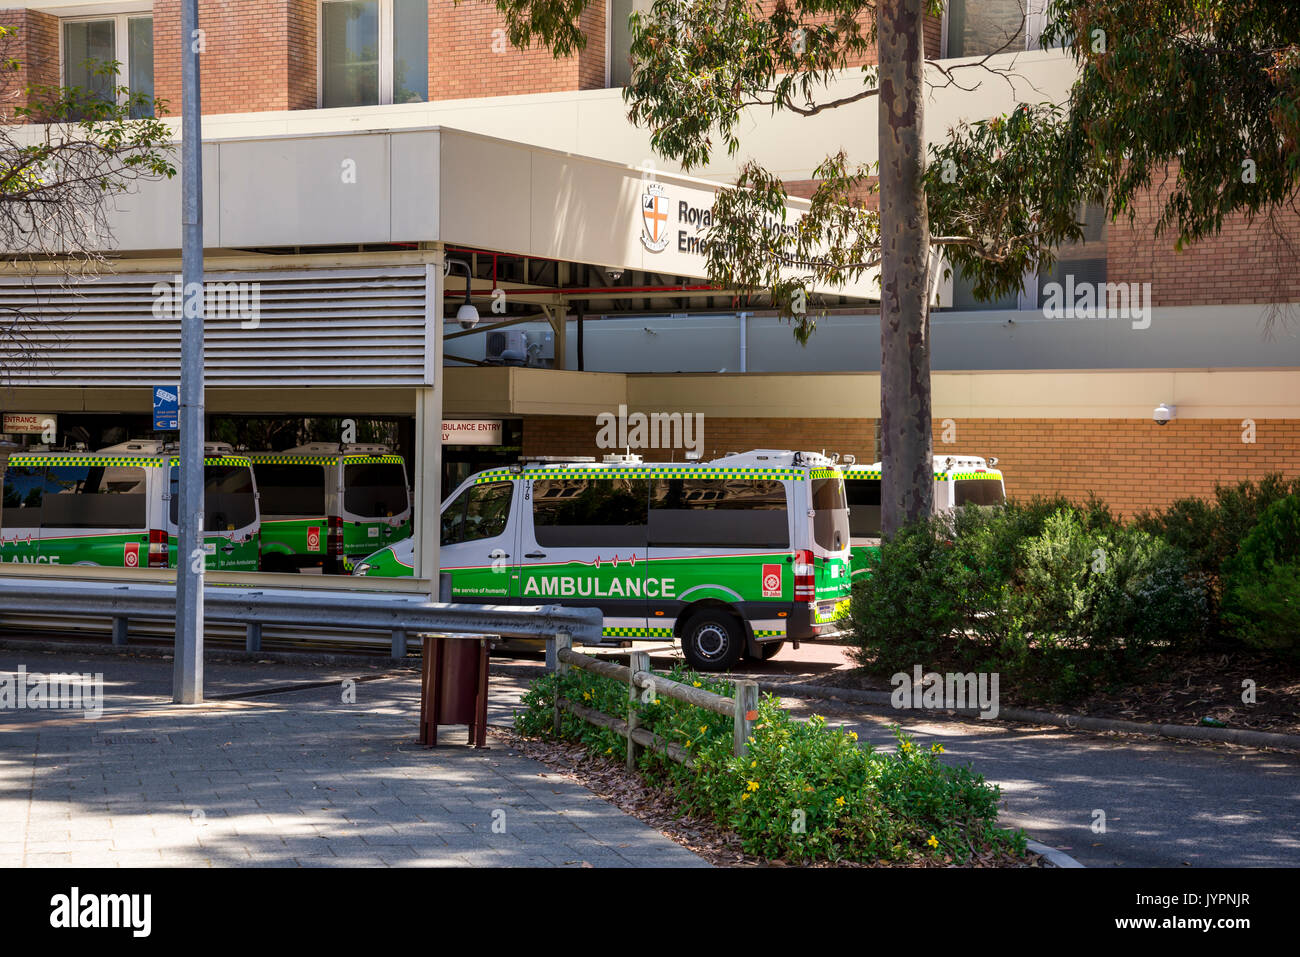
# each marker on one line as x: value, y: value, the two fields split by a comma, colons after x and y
x: 166, y: 408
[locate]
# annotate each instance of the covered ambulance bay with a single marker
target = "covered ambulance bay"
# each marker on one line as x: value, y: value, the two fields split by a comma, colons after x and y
x: 329, y: 260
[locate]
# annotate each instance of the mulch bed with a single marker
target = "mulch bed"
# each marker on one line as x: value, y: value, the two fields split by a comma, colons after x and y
x: 659, y: 807
x: 1180, y: 690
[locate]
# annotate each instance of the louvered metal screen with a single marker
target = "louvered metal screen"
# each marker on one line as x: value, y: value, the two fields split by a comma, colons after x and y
x: 308, y: 327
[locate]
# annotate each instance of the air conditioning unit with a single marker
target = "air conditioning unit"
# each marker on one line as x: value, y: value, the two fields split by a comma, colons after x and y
x: 541, y: 348
x: 507, y: 347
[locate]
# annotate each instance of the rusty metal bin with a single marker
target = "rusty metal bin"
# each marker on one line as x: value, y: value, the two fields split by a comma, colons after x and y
x: 454, y: 686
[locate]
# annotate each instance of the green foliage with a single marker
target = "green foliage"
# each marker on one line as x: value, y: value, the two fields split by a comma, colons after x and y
x: 1261, y: 583
x: 1004, y: 193
x: 804, y: 791
x: 1210, y: 532
x: 1053, y: 596
x: 1197, y: 99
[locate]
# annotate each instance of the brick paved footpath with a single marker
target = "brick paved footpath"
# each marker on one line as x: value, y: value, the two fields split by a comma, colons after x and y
x: 290, y: 779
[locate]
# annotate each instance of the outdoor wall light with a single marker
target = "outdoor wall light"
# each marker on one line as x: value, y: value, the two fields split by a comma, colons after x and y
x: 1164, y: 414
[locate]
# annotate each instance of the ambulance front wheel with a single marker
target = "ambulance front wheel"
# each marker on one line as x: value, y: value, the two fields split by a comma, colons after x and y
x: 713, y: 640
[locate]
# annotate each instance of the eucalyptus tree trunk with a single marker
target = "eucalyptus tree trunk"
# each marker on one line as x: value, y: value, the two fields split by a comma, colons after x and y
x: 907, y: 487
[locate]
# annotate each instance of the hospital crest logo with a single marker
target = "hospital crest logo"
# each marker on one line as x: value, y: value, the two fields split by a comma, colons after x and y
x: 654, y: 218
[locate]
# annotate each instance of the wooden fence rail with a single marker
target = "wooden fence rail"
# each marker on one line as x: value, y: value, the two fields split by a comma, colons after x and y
x: 644, y: 686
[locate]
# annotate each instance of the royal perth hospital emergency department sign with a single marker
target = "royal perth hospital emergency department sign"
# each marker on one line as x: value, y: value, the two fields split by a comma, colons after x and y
x: 672, y: 224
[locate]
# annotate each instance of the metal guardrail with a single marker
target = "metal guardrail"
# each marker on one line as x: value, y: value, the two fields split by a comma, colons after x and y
x: 396, y: 613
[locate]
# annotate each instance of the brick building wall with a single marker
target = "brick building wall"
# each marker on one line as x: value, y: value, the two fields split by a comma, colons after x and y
x: 1247, y: 262
x: 1132, y: 464
x: 258, y: 55
x: 469, y: 55
x: 35, y: 46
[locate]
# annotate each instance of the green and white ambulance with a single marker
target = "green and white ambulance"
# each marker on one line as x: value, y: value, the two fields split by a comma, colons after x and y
x: 117, y: 507
x: 958, y: 480
x: 731, y: 557
x: 325, y: 506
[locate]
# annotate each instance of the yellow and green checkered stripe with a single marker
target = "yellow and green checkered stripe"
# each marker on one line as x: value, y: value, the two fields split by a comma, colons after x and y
x: 637, y: 632
x: 328, y: 459
x: 217, y: 460
x: 296, y: 459
x: 649, y: 472
x: 938, y: 476
x: 611, y: 632
x: 137, y: 460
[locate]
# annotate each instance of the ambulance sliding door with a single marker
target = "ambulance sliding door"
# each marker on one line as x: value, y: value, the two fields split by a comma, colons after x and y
x: 586, y: 546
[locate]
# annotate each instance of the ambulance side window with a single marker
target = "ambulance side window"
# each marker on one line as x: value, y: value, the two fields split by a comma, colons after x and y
x: 481, y: 511
x: 23, y: 491
x: 83, y: 496
x: 864, y: 507
x: 598, y: 513
x: 978, y: 492
x: 704, y: 513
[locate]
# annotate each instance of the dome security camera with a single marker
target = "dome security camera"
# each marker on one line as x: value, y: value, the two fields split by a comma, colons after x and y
x: 614, y: 274
x: 1164, y: 414
x: 467, y: 316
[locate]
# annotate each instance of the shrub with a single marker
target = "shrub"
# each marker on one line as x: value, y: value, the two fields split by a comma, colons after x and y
x: 1261, y: 583
x: 1057, y: 600
x: 909, y: 608
x: 1209, y: 533
x: 804, y: 791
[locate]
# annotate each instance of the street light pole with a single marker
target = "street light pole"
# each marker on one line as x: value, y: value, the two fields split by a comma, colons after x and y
x: 187, y: 677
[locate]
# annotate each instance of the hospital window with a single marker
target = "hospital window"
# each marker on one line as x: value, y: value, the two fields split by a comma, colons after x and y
x: 1084, y: 260
x: 92, y: 45
x: 980, y: 27
x: 619, y: 41
x: 373, y: 52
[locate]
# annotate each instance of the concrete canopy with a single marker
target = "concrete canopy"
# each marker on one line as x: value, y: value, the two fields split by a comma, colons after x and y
x: 438, y: 185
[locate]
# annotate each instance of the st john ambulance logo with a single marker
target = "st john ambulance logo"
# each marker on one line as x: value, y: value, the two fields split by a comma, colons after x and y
x: 771, y: 581
x: 654, y: 218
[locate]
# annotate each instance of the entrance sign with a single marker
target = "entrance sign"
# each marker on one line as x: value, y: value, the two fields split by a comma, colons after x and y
x: 166, y: 408
x: 471, y: 432
x: 28, y: 423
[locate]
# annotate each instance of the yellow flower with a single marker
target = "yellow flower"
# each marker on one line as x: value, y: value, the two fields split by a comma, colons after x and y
x: 853, y: 735
x: 695, y: 683
x: 905, y: 746
x: 753, y: 764
x: 839, y: 802
x: 933, y: 841
x: 703, y: 729
x: 688, y: 744
x: 745, y: 796
x: 937, y: 748
x: 586, y: 696
x: 609, y: 750
x: 751, y: 786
